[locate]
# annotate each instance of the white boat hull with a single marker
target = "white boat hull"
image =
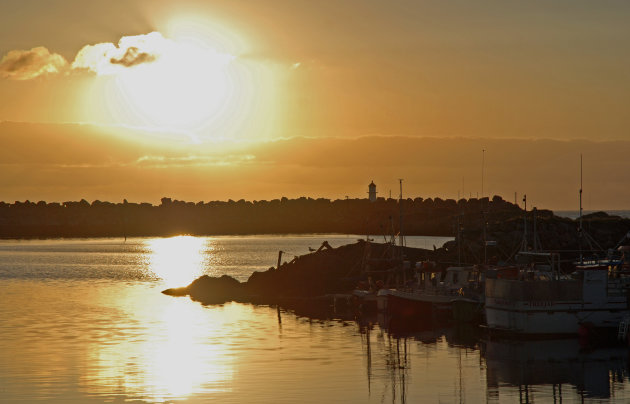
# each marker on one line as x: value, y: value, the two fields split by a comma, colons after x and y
x: 552, y: 317
x: 555, y: 307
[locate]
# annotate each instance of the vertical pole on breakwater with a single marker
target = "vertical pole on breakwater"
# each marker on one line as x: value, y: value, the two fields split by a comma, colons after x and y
x: 279, y: 259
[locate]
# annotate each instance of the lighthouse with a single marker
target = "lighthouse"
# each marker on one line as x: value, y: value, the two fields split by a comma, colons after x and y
x: 372, y: 192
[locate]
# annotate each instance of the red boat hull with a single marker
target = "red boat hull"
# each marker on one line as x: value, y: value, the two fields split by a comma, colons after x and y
x: 398, y: 306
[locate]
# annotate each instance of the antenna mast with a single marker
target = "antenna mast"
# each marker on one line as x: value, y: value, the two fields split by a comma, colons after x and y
x: 580, y: 230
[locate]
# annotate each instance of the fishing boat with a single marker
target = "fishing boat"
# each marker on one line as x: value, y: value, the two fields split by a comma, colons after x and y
x: 538, y: 299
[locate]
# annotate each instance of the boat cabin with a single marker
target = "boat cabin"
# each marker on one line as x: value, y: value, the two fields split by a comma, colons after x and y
x: 449, y: 281
x: 460, y: 277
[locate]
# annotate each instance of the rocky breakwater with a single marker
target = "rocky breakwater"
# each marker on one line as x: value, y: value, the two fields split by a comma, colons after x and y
x: 314, y: 277
x: 306, y: 280
x: 545, y: 232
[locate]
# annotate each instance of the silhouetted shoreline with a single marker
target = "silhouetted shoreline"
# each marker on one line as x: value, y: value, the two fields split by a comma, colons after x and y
x: 278, y: 216
x: 427, y: 217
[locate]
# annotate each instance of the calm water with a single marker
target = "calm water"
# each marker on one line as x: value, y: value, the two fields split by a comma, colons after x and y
x: 84, y: 321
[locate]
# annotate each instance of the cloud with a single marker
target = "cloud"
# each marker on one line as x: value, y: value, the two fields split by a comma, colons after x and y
x: 133, y: 57
x: 157, y: 161
x: 94, y: 57
x: 29, y: 64
x: 107, y: 58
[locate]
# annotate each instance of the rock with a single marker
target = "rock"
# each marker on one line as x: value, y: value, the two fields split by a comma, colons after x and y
x: 210, y: 290
x: 176, y: 291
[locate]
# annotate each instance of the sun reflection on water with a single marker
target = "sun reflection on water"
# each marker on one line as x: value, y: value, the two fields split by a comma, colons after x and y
x: 164, y: 349
x: 179, y: 360
x: 176, y: 260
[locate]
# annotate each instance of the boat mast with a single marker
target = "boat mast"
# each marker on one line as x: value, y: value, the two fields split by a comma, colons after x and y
x: 580, y: 230
x: 524, y: 243
x: 483, y: 166
x: 459, y: 238
x: 535, y: 232
x: 484, y: 218
x: 583, y: 236
x: 401, y: 236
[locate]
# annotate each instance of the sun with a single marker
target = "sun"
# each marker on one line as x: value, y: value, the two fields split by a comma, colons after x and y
x: 191, y: 78
x: 186, y: 86
x: 182, y: 82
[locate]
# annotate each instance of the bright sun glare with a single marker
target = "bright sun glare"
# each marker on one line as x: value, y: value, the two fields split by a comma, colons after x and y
x: 186, y: 79
x: 187, y: 87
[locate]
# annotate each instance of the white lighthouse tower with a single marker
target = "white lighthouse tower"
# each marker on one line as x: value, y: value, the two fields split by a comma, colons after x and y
x: 372, y: 192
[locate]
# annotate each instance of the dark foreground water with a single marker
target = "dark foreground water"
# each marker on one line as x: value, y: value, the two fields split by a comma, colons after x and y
x: 84, y: 321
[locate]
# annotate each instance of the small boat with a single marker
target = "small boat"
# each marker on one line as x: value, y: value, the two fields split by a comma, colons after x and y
x: 370, y: 298
x: 432, y: 298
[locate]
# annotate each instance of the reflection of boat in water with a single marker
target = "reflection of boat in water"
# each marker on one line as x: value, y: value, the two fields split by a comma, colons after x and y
x: 553, y: 363
x: 426, y: 332
x: 540, y: 300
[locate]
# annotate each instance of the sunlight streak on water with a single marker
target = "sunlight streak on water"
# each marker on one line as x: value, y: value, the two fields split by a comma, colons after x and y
x: 111, y: 341
x: 180, y: 360
x: 177, y: 260
x: 170, y: 359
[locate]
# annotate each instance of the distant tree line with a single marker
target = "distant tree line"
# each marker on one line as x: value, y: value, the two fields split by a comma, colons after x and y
x: 420, y: 216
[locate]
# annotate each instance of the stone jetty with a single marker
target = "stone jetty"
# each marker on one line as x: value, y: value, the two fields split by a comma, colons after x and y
x: 328, y: 271
x: 333, y: 271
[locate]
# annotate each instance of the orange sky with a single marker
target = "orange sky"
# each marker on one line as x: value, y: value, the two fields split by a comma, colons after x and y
x: 217, y: 85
